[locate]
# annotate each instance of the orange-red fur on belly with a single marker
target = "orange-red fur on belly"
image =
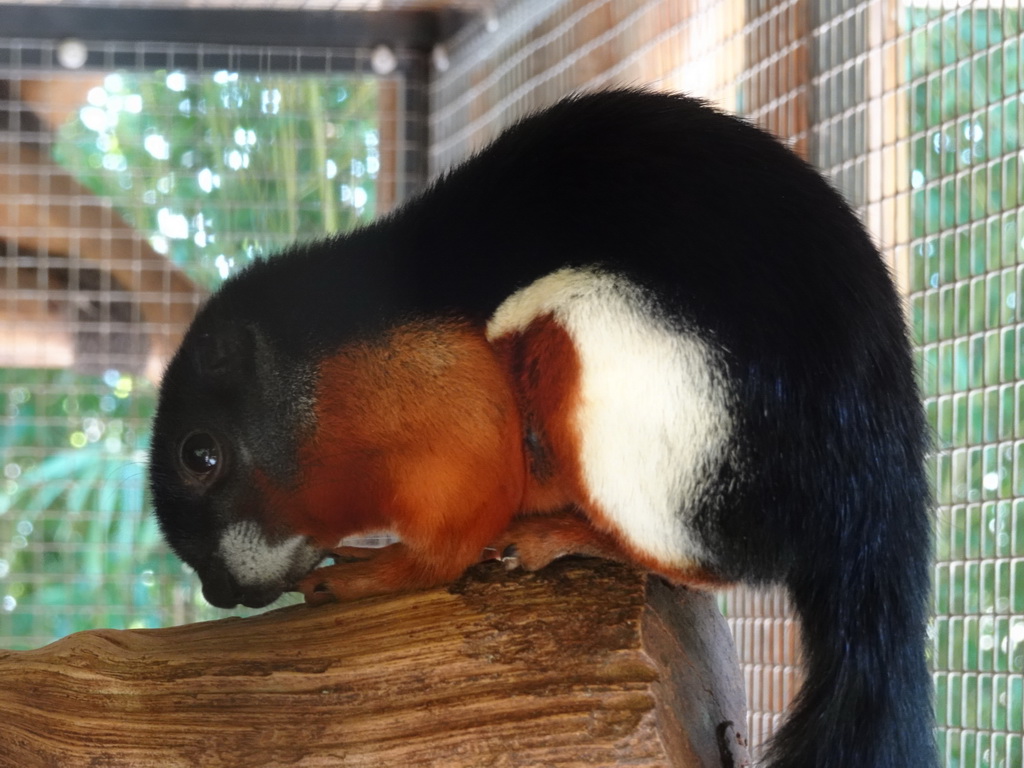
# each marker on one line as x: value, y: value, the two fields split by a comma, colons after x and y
x: 434, y: 434
x: 545, y: 371
x: 417, y: 432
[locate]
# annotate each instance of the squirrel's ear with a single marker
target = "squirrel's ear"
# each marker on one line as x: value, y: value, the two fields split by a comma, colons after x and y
x: 224, y: 355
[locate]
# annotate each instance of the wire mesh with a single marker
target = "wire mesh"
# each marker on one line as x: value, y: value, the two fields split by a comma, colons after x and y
x: 913, y: 108
x: 126, y: 195
x: 963, y: 139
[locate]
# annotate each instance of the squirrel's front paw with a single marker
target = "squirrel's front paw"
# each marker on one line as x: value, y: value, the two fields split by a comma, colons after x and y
x: 319, y: 587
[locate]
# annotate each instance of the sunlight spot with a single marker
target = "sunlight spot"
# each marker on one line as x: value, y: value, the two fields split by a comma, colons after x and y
x: 172, y: 225
x: 97, y: 96
x: 124, y: 386
x: 115, y: 162
x: 244, y: 138
x: 208, y: 180
x: 1017, y: 632
x: 160, y: 244
x: 224, y: 265
x: 157, y: 146
x: 270, y: 102
x: 93, y: 429
x: 93, y: 118
x: 176, y: 81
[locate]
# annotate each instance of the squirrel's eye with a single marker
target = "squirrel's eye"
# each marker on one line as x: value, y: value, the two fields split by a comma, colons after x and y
x: 201, y: 455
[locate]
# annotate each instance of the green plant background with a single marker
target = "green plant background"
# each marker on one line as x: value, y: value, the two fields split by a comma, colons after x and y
x: 221, y: 168
x: 965, y: 77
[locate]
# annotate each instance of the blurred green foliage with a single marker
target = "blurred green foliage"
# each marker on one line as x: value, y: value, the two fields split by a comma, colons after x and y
x: 217, y: 169
x: 228, y: 167
x: 966, y: 116
x: 73, y: 504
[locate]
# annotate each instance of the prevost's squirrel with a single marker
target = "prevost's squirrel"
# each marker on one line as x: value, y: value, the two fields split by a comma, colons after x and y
x: 632, y: 327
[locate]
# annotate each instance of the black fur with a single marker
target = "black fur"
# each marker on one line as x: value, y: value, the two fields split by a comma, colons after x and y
x: 825, y: 491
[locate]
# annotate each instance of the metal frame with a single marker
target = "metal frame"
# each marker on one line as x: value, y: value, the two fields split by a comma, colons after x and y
x: 416, y: 30
x: 246, y: 41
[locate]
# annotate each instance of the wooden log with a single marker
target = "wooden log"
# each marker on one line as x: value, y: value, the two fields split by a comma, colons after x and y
x: 585, y: 663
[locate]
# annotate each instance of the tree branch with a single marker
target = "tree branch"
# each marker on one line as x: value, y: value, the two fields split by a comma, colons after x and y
x: 582, y: 664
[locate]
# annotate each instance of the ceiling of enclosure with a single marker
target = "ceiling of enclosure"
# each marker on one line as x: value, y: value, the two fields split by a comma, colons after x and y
x: 297, y: 5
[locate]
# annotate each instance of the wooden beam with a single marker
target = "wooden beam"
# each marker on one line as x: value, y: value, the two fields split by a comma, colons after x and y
x: 44, y: 210
x: 582, y: 664
x: 34, y: 329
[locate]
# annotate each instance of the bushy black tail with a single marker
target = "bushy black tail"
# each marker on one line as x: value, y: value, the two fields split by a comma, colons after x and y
x: 862, y: 596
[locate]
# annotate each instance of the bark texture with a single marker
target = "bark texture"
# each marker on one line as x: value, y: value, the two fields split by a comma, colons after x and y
x: 585, y: 663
